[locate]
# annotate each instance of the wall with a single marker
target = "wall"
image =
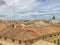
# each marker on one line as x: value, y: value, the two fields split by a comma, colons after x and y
x: 11, y: 41
x: 53, y: 38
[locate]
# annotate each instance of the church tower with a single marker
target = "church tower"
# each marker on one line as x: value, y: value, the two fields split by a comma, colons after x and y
x: 53, y: 18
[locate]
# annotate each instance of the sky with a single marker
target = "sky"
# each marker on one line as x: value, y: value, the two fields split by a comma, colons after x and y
x: 29, y: 9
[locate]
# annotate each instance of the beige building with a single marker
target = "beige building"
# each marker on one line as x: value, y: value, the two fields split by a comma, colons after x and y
x: 15, y: 33
x: 42, y: 23
x: 54, y: 20
x: 41, y: 42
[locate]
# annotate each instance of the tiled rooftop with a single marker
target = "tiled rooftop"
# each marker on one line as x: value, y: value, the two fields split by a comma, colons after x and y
x: 16, y: 31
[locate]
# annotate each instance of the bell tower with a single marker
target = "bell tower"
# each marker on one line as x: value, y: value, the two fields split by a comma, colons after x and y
x: 53, y: 18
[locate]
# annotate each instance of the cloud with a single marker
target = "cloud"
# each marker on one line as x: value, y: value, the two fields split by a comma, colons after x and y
x: 20, y: 9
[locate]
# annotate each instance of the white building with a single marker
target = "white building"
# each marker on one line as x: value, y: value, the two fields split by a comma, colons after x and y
x: 42, y: 23
x: 54, y: 20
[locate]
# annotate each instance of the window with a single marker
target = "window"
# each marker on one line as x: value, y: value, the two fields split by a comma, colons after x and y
x: 31, y: 41
x: 13, y: 26
x: 19, y: 42
x: 24, y: 21
x: 0, y: 21
x: 51, y: 41
x: 54, y: 35
x: 13, y: 40
x: 45, y: 37
x: 42, y: 37
x: 0, y: 37
x: 58, y: 41
x: 54, y: 41
x: 0, y: 44
x: 50, y: 35
x: 5, y: 38
x: 58, y: 33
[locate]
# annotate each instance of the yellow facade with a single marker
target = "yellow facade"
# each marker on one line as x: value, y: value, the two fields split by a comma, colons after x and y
x: 53, y: 38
